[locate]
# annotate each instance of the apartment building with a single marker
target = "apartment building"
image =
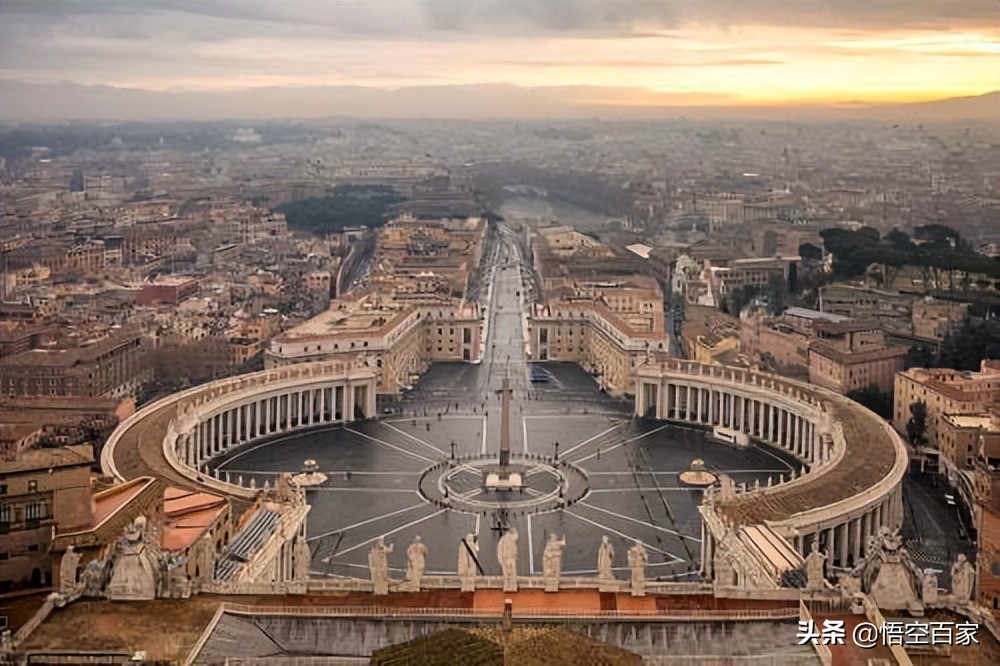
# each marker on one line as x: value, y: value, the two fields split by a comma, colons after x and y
x: 946, y: 392
x: 102, y: 363
x: 40, y: 490
x: 400, y: 341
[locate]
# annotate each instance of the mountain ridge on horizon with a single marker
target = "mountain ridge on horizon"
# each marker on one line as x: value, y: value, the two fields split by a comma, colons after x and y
x: 64, y: 101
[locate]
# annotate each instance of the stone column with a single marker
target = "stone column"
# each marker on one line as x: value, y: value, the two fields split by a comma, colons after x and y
x: 211, y: 435
x: 348, y: 402
x: 288, y: 410
x: 701, y: 411
x: 322, y: 405
x: 781, y: 427
x: 247, y: 423
x: 667, y: 386
x: 844, y: 542
x: 831, y: 545
x: 687, y: 404
x: 856, y: 545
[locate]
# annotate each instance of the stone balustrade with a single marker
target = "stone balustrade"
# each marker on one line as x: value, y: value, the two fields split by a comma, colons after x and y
x: 853, y: 461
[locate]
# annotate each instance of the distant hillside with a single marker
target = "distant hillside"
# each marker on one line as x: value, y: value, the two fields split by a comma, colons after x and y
x: 29, y: 102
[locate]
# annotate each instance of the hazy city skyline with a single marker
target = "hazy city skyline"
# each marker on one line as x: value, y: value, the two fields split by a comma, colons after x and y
x: 594, y: 54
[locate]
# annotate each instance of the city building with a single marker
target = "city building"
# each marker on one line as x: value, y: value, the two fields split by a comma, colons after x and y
x: 167, y: 290
x: 852, y: 355
x: 945, y: 392
x: 400, y: 341
x: 932, y: 319
x: 986, y: 484
x: 103, y: 363
x: 41, y: 490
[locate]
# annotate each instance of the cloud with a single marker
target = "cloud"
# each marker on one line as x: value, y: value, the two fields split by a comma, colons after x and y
x: 733, y: 45
x: 640, y: 64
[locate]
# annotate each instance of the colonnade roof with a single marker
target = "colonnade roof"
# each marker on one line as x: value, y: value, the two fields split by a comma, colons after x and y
x: 869, y: 457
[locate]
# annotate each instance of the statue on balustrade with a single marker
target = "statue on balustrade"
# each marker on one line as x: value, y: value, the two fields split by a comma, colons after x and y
x: 507, y: 556
x: 416, y: 555
x: 605, y: 562
x: 378, y: 566
x: 637, y: 561
x: 467, y: 550
x: 67, y: 571
x: 135, y: 568
x: 963, y: 579
x: 302, y: 559
x: 815, y: 563
x: 552, y: 562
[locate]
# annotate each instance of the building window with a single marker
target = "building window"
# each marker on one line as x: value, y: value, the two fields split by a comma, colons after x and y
x: 32, y: 486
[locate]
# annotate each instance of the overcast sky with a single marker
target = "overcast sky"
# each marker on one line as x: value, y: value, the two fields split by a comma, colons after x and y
x: 743, y: 51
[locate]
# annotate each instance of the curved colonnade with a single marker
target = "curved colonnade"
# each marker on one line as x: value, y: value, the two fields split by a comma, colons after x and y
x: 854, y: 461
x: 201, y: 423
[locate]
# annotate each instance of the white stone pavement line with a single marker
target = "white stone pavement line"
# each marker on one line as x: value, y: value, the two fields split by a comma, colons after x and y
x: 389, y: 533
x: 669, y: 472
x: 590, y: 439
x: 649, y: 489
x: 675, y: 533
x: 417, y: 439
x: 421, y: 419
x: 327, y: 489
x: 239, y: 454
x: 391, y: 446
x: 531, y: 549
x: 355, y: 473
x: 620, y: 444
x: 524, y: 430
x: 588, y: 415
x: 676, y: 560
x: 366, y: 522
x: 483, y: 450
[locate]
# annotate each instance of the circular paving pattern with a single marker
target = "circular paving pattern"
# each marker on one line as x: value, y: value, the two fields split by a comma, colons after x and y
x: 545, y: 485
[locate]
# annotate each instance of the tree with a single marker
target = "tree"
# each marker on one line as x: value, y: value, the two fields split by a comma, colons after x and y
x: 777, y: 294
x: 966, y: 346
x: 810, y: 252
x: 916, y: 427
x: 874, y: 399
x: 899, y: 240
x: 919, y: 356
x: 938, y: 234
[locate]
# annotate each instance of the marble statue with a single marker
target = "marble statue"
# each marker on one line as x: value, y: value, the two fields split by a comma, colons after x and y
x: 136, y: 567
x: 67, y: 570
x: 637, y: 561
x: 552, y: 562
x: 507, y: 556
x: 202, y: 554
x: 815, y: 562
x: 929, y: 587
x: 416, y: 555
x: 605, y: 560
x: 174, y: 581
x: 467, y: 549
x: 963, y: 578
x: 378, y: 565
x: 303, y: 558
x: 6, y: 642
x: 92, y: 578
